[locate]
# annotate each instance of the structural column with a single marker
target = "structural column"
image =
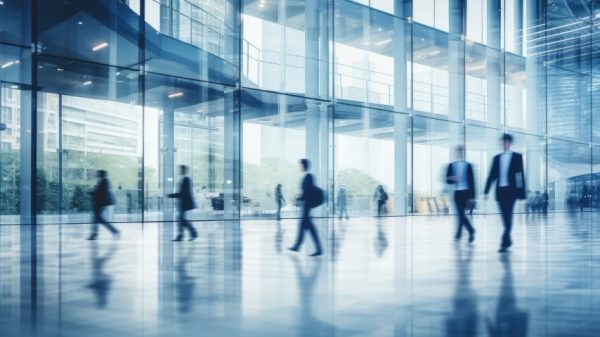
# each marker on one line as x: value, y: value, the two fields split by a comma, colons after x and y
x: 28, y: 164
x: 494, y: 61
x: 401, y: 232
x: 518, y: 17
x: 166, y: 253
x: 231, y: 196
x: 401, y: 42
x: 456, y: 69
x: 168, y: 163
x: 316, y: 124
x: 535, y: 85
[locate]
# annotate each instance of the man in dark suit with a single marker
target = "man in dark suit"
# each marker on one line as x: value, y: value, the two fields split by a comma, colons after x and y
x: 460, y: 174
x: 508, y: 173
x: 306, y: 223
x: 101, y: 198
x: 185, y: 202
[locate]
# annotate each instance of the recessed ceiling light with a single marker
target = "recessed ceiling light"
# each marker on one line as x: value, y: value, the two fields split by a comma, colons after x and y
x: 383, y: 42
x: 60, y: 70
x: 86, y: 83
x: 175, y: 94
x: 1, y: 2
x: 9, y: 63
x: 479, y: 67
x: 100, y: 46
x: 80, y: 22
x: 118, y: 73
x: 14, y: 86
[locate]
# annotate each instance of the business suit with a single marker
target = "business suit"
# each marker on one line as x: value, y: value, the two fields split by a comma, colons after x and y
x: 306, y: 223
x: 101, y: 198
x: 464, y: 191
x: 185, y: 202
x: 509, y: 175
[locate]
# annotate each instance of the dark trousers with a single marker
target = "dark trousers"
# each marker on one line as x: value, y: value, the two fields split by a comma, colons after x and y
x: 343, y: 210
x: 306, y: 224
x: 506, y: 201
x: 460, y: 200
x: 279, y: 210
x: 99, y: 218
x: 380, y: 204
x: 183, y: 222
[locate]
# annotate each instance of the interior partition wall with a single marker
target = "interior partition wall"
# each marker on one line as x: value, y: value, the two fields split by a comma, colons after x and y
x: 374, y: 93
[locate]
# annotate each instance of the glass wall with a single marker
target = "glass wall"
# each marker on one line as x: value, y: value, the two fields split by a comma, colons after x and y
x: 371, y: 150
x: 372, y: 92
x: 278, y: 130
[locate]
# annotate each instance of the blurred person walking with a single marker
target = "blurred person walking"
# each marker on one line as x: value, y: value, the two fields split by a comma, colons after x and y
x: 101, y: 198
x: 279, y: 200
x: 509, y: 175
x: 311, y: 196
x: 381, y: 198
x: 185, y: 202
x: 460, y: 174
x: 342, y: 202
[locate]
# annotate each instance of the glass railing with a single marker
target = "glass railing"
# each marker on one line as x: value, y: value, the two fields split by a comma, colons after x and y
x: 198, y: 27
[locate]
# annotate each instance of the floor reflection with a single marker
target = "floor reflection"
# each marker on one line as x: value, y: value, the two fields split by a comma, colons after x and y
x: 101, y: 281
x: 381, y: 241
x: 465, y: 316
x: 307, y: 275
x: 379, y: 277
x: 185, y: 283
x: 279, y: 238
x: 509, y: 320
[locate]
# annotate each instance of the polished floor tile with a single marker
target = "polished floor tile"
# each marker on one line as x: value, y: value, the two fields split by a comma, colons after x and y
x: 378, y: 277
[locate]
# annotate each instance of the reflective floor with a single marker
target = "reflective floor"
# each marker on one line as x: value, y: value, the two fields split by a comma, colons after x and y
x: 388, y: 277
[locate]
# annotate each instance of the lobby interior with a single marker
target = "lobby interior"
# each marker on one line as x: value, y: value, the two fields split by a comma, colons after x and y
x: 372, y: 92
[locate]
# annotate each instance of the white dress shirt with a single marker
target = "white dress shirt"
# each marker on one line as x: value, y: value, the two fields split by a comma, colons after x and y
x: 459, y: 169
x: 505, y: 160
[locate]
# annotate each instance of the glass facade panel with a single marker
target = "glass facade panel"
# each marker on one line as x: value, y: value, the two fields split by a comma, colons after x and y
x: 568, y: 174
x: 433, y: 142
x: 372, y: 148
x: 15, y: 120
x: 286, y: 46
x: 569, y: 100
x: 189, y: 123
x: 430, y: 71
x: 433, y: 13
x: 13, y: 101
x: 194, y: 39
x: 477, y: 20
x: 371, y: 54
x: 483, y: 73
x: 514, y: 102
x: 94, y: 123
x: 277, y: 131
